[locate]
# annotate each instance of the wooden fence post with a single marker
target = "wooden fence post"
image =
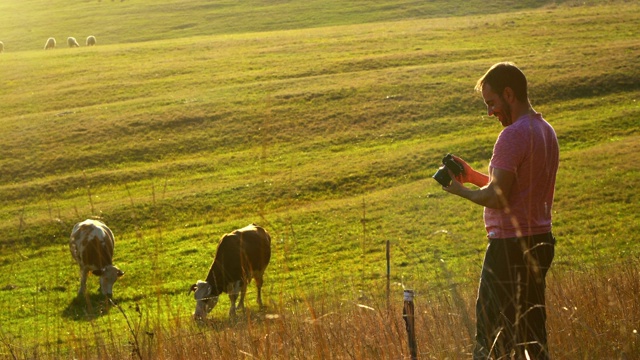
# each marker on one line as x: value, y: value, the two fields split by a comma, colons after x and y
x: 409, y: 319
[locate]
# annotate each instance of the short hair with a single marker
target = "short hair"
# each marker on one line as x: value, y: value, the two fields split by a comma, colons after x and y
x: 503, y: 75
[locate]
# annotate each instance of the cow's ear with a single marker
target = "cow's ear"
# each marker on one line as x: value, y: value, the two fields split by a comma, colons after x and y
x: 194, y: 287
x: 97, y: 272
x: 120, y: 273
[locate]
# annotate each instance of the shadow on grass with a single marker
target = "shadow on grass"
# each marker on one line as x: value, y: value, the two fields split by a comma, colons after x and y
x: 87, y: 307
x: 249, y: 316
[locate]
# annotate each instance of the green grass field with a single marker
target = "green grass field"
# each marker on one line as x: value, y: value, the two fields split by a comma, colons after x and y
x: 321, y: 121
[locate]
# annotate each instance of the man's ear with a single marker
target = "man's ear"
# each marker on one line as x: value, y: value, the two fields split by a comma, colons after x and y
x: 508, y: 95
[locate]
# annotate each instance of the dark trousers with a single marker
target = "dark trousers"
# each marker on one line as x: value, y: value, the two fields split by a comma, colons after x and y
x: 510, y: 308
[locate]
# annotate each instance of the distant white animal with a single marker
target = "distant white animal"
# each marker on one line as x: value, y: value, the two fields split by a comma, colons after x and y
x: 241, y: 255
x: 91, y: 246
x: 91, y: 40
x: 1, y: 46
x: 50, y: 44
x: 72, y: 42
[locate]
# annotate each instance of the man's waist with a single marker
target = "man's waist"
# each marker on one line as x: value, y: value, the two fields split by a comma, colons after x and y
x: 534, y: 239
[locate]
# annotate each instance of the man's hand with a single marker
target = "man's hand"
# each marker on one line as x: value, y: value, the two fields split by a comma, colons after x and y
x: 456, y: 186
x: 470, y: 175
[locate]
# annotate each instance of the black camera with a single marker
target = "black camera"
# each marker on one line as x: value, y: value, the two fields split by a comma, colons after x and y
x: 442, y: 175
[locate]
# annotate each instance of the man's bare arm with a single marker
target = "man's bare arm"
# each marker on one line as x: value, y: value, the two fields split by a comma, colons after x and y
x: 493, y: 195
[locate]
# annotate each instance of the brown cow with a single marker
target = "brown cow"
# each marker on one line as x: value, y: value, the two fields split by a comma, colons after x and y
x: 91, y: 246
x: 241, y: 255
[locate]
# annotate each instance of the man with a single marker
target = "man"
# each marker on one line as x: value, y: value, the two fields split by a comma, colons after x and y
x: 517, y: 196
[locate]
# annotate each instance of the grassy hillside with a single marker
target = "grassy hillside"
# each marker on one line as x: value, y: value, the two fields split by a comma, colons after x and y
x: 324, y: 127
x: 27, y: 24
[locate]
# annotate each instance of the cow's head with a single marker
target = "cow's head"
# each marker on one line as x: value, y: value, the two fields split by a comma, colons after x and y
x: 205, y: 301
x: 108, y: 276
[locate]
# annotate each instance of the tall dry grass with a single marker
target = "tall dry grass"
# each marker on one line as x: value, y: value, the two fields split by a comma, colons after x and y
x: 595, y: 313
x: 592, y: 314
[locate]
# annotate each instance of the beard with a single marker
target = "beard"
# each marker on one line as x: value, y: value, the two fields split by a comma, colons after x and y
x: 506, y: 113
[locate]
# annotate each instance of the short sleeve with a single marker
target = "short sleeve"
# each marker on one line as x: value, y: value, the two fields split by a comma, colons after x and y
x: 509, y: 150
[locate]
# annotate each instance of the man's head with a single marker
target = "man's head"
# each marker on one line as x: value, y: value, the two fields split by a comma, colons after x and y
x: 503, y: 86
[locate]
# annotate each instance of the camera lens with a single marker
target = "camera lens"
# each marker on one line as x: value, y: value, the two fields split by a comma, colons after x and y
x: 442, y: 176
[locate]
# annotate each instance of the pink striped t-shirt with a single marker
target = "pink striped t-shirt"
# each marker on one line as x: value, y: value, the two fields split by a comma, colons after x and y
x: 529, y: 149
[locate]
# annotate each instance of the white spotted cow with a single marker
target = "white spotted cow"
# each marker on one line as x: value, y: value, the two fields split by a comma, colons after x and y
x: 91, y: 246
x: 241, y: 255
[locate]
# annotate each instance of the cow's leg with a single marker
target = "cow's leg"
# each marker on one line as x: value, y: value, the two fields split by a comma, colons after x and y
x: 232, y: 308
x: 83, y: 282
x: 233, y: 290
x: 259, y: 281
x: 243, y: 292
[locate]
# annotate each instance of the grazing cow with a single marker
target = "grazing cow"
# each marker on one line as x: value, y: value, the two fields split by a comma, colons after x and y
x: 241, y: 255
x: 50, y: 44
x: 91, y: 246
x: 91, y: 40
x: 72, y: 42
